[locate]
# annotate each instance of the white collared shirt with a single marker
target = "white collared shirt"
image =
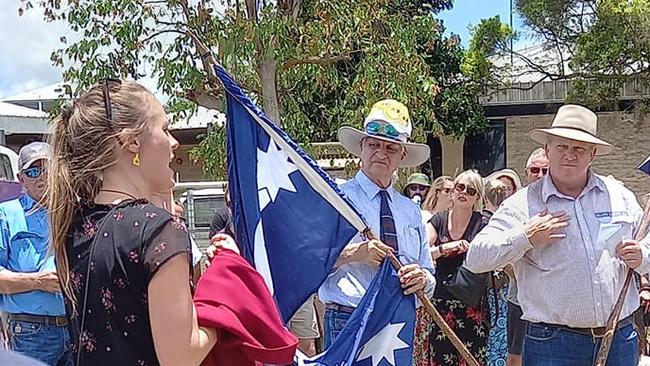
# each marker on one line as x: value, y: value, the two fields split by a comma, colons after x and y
x: 575, y: 281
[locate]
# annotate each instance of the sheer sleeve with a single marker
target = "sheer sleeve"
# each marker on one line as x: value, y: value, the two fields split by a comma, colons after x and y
x: 169, y: 239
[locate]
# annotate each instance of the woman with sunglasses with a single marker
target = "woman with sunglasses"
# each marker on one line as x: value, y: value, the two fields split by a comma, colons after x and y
x: 437, y: 199
x: 124, y: 262
x: 452, y: 232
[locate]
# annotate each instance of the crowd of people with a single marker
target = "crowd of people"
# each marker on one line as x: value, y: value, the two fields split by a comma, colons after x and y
x: 548, y: 258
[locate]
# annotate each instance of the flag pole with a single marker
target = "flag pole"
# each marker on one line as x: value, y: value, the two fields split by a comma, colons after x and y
x: 612, y: 321
x: 435, y: 314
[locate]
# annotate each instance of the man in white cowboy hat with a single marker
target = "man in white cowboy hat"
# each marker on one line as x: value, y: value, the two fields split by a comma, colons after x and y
x: 382, y: 146
x: 569, y: 236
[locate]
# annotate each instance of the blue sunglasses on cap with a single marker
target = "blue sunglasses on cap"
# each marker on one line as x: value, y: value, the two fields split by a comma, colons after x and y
x: 376, y: 128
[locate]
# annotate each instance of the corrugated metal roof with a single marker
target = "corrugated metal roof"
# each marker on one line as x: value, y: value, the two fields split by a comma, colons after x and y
x: 50, y: 92
x: 8, y: 109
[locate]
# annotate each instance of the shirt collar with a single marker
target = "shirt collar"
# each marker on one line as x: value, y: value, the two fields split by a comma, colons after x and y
x: 27, y: 202
x: 370, y: 188
x: 549, y: 189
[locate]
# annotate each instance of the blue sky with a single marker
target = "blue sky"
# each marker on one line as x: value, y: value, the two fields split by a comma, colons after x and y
x: 466, y: 12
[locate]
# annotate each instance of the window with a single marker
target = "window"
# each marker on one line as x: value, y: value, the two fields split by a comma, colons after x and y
x: 486, y: 152
x: 6, y: 172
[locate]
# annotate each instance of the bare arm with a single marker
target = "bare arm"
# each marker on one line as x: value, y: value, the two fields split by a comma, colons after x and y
x: 178, y: 339
x: 17, y: 282
x: 432, y: 237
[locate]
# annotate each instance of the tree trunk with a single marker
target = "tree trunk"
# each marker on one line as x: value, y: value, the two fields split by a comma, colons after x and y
x: 267, y: 72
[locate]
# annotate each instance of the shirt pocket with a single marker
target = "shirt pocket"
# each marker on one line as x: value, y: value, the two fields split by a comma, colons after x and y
x: 409, y: 249
x: 610, y: 234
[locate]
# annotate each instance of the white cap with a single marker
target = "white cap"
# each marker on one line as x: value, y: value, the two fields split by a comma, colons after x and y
x: 31, y: 152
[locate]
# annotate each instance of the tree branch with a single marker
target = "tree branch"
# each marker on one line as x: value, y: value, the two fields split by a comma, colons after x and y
x: 156, y: 34
x: 326, y: 60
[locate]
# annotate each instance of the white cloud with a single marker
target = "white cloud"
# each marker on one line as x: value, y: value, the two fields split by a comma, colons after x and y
x: 27, y: 42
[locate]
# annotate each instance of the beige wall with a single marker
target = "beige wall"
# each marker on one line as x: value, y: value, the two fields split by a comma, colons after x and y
x: 188, y: 171
x: 627, y: 132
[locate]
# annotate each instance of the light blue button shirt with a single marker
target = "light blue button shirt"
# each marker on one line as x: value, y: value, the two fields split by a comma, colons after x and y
x: 348, y: 283
x: 24, y: 241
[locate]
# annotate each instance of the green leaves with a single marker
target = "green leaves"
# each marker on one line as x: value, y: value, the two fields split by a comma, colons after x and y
x: 607, y: 43
x: 333, y: 60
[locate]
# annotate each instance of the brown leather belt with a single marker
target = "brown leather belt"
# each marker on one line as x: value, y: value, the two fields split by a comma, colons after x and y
x: 58, y: 321
x: 341, y: 308
x: 598, y: 332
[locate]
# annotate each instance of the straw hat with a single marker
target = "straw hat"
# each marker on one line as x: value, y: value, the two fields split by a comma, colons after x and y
x: 576, y: 123
x: 388, y: 120
x: 506, y: 173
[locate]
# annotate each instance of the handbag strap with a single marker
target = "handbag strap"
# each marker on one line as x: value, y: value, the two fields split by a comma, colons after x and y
x: 85, y: 298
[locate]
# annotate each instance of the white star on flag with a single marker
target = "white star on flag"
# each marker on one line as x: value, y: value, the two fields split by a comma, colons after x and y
x: 383, y: 345
x: 273, y: 170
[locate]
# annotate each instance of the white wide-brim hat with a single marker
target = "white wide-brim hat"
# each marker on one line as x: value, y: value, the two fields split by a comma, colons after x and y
x: 576, y: 123
x: 388, y: 113
x: 506, y: 173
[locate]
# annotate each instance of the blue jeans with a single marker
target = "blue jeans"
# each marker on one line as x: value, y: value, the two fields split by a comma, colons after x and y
x: 47, y: 343
x: 334, y: 323
x: 550, y: 346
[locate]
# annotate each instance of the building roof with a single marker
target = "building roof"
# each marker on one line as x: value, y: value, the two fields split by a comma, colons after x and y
x: 12, y: 110
x: 51, y: 92
x: 526, y: 59
x: 200, y: 119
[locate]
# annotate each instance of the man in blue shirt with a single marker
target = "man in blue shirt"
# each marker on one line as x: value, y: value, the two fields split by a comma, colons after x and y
x: 382, y: 147
x: 29, y: 288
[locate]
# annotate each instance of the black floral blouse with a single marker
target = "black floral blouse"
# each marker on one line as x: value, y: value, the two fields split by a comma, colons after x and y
x: 133, y: 240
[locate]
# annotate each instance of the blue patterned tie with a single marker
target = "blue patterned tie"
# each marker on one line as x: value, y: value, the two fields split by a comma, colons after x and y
x: 388, y: 235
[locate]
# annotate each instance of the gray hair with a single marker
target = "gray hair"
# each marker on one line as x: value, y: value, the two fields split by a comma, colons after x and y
x: 539, y: 153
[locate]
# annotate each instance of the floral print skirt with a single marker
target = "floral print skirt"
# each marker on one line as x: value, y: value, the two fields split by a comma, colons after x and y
x: 431, y: 346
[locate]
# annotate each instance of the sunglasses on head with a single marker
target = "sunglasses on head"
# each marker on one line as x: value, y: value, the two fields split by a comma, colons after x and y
x: 535, y: 170
x: 375, y: 128
x: 34, y: 172
x: 460, y: 187
x: 107, y: 97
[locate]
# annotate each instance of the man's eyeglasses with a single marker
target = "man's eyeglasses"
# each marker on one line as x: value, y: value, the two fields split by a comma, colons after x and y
x: 107, y: 97
x: 536, y: 170
x: 34, y: 172
x: 382, y: 129
x: 460, y: 187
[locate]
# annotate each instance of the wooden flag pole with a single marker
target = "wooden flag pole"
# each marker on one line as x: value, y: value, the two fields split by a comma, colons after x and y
x: 612, y: 321
x: 437, y: 318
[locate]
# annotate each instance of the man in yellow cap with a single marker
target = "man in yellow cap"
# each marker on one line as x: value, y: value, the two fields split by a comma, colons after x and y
x: 383, y: 147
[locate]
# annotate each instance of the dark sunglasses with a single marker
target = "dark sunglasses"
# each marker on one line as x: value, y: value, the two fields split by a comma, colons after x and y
x: 460, y: 187
x: 382, y: 129
x: 34, y: 172
x: 445, y: 190
x: 535, y: 170
x: 107, y: 97
x: 418, y: 187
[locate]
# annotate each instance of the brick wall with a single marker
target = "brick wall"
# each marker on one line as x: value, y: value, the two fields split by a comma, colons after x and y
x: 627, y: 132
